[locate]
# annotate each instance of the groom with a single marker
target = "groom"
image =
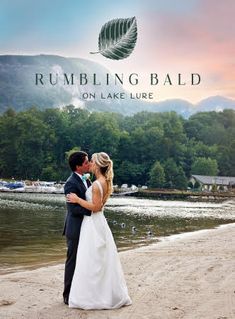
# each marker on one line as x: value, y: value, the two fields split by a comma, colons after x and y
x: 79, y: 165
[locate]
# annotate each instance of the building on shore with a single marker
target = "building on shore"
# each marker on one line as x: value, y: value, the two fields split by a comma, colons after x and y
x: 215, y: 183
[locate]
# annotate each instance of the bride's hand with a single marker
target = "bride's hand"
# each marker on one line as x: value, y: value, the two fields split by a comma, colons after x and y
x: 72, y: 198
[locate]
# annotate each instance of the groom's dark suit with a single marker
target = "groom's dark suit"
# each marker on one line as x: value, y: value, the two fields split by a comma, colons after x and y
x: 72, y: 227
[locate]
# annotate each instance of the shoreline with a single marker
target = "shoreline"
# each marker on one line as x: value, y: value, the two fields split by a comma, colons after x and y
x: 188, y: 275
x: 184, y: 195
x: 166, y: 194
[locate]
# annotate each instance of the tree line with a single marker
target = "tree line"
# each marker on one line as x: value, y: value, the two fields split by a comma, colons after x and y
x: 156, y: 149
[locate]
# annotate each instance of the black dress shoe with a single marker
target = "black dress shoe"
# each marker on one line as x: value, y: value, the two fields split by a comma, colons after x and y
x: 66, y: 300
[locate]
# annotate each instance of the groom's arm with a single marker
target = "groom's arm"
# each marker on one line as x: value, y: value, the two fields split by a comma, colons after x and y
x: 75, y: 208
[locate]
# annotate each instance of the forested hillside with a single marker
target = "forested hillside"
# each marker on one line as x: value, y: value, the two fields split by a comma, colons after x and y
x: 158, y: 149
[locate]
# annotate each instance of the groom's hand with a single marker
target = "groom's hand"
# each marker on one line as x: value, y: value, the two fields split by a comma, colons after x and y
x: 75, y: 209
x: 72, y: 198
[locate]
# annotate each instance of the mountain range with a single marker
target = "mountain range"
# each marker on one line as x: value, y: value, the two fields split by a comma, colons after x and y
x: 25, y: 82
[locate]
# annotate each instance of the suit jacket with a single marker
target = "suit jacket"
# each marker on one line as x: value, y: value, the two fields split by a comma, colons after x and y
x: 75, y: 212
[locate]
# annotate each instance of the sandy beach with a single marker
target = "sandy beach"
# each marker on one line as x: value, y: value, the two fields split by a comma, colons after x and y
x: 183, y: 276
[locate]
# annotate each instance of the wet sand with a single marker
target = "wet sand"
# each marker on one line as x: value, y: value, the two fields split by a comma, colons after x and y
x: 183, y: 276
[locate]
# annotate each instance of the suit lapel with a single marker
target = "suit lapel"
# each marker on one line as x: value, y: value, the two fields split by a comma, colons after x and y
x: 79, y: 180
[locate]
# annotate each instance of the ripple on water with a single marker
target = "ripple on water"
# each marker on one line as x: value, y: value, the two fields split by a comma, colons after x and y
x: 181, y: 209
x: 31, y: 224
x: 33, y: 202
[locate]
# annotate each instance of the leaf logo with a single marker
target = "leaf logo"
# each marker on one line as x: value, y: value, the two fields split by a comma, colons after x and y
x: 117, y: 38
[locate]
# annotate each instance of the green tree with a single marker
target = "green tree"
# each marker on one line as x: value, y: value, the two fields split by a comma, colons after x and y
x: 49, y: 173
x: 226, y: 159
x: 180, y: 179
x: 8, y: 153
x: 101, y: 133
x: 175, y: 176
x: 130, y: 173
x: 73, y: 150
x: 34, y: 141
x: 157, y: 175
x: 59, y: 123
x: 205, y: 166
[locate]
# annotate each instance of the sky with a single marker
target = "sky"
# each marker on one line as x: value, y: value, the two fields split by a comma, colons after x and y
x: 186, y: 36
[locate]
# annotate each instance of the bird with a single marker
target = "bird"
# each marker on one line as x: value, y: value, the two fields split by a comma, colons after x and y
x: 149, y: 233
x: 114, y: 222
x: 133, y: 229
x: 123, y: 225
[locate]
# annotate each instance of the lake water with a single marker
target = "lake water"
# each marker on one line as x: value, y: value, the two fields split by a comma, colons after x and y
x: 31, y: 225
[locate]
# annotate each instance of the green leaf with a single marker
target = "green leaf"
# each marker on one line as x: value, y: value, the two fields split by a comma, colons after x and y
x: 117, y: 38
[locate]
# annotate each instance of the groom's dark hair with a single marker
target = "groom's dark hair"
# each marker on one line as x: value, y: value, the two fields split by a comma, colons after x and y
x: 77, y: 159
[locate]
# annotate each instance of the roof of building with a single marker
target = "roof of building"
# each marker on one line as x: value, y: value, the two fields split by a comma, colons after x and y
x: 218, y: 180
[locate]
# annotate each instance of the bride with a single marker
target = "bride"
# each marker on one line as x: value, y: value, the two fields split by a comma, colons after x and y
x: 98, y: 281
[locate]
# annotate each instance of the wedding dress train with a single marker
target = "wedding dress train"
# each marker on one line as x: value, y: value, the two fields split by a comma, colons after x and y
x: 98, y: 281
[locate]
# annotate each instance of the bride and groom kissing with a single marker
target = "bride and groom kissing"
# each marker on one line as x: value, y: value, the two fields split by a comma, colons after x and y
x: 93, y: 277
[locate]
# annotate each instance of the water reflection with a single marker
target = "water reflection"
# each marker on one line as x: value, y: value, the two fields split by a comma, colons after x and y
x: 31, y: 224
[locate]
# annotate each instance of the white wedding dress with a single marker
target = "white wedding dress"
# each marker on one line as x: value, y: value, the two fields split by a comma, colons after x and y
x: 98, y: 281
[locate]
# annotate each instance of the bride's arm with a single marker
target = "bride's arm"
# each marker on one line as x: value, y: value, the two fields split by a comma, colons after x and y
x: 96, y: 204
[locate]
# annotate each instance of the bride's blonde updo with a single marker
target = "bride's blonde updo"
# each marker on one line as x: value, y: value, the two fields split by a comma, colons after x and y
x: 105, y: 164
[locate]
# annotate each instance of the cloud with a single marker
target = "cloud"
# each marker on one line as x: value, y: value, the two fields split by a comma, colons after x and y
x: 201, y: 40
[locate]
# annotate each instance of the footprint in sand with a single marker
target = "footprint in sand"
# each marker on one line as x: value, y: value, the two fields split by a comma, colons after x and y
x: 6, y: 302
